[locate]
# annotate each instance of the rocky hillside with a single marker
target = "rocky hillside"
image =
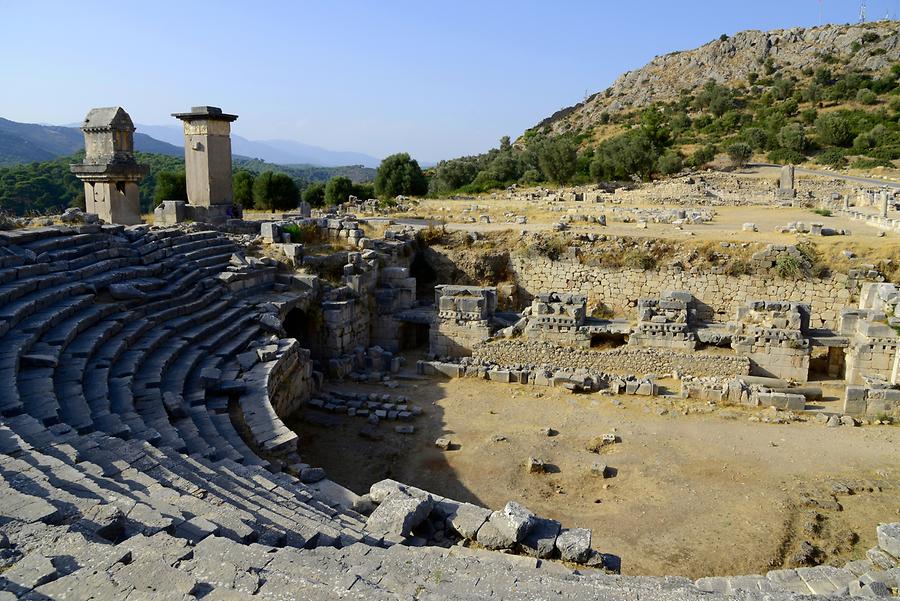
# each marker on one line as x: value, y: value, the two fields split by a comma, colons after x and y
x: 732, y: 61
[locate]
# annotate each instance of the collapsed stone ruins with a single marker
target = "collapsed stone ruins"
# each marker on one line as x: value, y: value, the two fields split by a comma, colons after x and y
x: 148, y: 371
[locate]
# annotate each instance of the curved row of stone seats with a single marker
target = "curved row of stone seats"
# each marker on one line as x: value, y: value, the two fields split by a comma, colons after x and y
x: 208, y: 411
x: 142, y: 393
x: 166, y: 243
x: 268, y: 431
x: 152, y: 489
x: 128, y: 353
x: 168, y: 382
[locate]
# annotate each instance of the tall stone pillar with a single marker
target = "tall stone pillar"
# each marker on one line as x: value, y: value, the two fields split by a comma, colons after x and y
x: 109, y: 171
x: 786, y: 190
x: 207, y: 161
x: 883, y: 203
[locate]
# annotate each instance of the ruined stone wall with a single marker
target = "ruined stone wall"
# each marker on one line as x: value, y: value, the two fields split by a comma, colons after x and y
x: 456, y: 339
x: 288, y: 377
x: 718, y: 295
x: 617, y: 361
x: 345, y: 326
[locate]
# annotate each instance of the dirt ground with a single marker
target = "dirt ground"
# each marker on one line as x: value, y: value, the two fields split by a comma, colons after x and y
x: 727, y: 225
x: 696, y: 490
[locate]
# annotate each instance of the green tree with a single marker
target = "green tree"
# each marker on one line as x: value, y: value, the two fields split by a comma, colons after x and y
x: 242, y: 185
x: 702, y: 156
x: 337, y: 190
x: 275, y: 191
x: 866, y: 96
x: 756, y: 137
x: 833, y: 129
x: 364, y: 191
x: 793, y: 137
x: 739, y: 153
x: 669, y: 162
x: 315, y: 194
x: 654, y: 126
x: 557, y: 158
x: 399, y: 174
x: 453, y: 175
x: 505, y: 168
x: 170, y: 185
x: 625, y: 156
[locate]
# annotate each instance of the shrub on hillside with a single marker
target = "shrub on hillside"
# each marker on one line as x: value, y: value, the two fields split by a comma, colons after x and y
x: 669, y: 163
x: 793, y: 137
x: 739, y: 153
x: 833, y: 157
x: 863, y: 163
x: 702, y: 156
x: 783, y: 156
x: 834, y: 130
x: 756, y: 137
x: 866, y: 96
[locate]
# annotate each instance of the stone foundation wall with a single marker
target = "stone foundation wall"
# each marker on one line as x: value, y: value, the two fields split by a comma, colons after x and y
x: 617, y: 361
x: 289, y: 382
x: 452, y: 339
x: 718, y: 295
x: 346, y: 326
x: 878, y: 357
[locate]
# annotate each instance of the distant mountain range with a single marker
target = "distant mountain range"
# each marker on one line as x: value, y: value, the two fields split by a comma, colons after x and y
x: 283, y: 152
x: 28, y: 142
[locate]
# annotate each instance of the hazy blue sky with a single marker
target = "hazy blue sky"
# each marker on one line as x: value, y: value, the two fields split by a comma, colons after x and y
x: 437, y: 79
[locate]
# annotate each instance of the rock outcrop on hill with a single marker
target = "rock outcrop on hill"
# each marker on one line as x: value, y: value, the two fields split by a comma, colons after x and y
x: 730, y: 61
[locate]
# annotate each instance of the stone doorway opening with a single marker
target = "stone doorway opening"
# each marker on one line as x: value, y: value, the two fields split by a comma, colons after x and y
x: 827, y: 363
x: 414, y: 336
x: 605, y: 341
x: 426, y: 278
x: 306, y: 327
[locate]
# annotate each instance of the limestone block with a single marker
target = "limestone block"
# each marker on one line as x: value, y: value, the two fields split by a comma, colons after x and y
x: 855, y: 400
x: 540, y: 541
x: 513, y: 521
x: 889, y: 538
x: 399, y: 513
x: 574, y: 544
x: 463, y: 518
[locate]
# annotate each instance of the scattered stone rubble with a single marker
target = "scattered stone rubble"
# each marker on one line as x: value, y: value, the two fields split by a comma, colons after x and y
x: 623, y: 360
x: 409, y: 515
x: 660, y: 215
x: 373, y: 407
x: 814, y: 229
